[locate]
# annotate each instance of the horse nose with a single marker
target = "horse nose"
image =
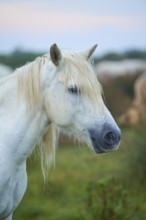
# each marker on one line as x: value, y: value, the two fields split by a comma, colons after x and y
x: 112, y: 137
x: 105, y: 140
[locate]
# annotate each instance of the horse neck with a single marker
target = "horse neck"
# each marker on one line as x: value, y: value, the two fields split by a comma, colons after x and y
x: 24, y: 127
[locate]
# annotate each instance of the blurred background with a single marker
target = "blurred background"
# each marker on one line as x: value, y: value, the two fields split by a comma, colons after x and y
x: 84, y: 186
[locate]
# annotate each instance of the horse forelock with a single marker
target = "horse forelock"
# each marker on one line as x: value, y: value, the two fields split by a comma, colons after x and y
x: 80, y: 72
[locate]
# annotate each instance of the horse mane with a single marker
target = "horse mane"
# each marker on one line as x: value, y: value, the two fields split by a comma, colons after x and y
x: 30, y: 82
x: 47, y: 147
x: 30, y: 89
x: 76, y: 71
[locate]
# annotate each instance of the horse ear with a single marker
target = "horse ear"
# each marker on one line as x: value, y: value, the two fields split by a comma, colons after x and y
x: 55, y: 54
x: 88, y: 53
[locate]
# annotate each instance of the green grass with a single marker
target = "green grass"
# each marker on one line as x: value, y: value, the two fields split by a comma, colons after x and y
x: 85, y: 186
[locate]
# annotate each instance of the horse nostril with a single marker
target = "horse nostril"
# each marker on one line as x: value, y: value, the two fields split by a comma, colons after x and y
x: 93, y: 138
x: 109, y: 137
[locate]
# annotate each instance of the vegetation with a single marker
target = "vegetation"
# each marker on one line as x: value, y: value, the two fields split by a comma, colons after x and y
x: 119, y: 92
x: 18, y: 57
x: 85, y: 186
x: 131, y: 54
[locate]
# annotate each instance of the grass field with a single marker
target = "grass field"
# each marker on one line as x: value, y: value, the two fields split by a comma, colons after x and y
x: 85, y: 186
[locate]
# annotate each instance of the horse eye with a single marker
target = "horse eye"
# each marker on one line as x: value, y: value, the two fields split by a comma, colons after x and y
x: 74, y: 90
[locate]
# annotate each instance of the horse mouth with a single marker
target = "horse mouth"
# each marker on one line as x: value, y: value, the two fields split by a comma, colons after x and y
x: 98, y: 150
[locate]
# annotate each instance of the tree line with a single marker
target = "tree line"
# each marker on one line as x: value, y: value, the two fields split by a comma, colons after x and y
x: 18, y: 57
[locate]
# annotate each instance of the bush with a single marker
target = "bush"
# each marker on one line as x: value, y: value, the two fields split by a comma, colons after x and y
x: 136, y: 152
x: 105, y: 199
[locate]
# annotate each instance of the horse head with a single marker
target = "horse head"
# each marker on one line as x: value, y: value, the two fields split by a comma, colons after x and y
x: 74, y: 103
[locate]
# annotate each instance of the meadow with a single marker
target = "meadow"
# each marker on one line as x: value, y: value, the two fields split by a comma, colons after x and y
x: 86, y: 186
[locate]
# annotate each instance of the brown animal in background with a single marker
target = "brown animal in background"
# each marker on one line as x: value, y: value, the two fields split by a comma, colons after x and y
x: 136, y: 111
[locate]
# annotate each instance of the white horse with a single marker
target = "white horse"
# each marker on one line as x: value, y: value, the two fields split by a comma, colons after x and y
x: 58, y: 92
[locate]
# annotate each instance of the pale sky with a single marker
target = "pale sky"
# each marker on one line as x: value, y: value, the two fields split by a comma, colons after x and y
x: 115, y: 25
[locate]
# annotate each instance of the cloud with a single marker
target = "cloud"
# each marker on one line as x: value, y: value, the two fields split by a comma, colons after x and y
x: 35, y: 24
x: 27, y: 18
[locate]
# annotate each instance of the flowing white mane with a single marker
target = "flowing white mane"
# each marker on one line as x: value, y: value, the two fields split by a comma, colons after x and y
x: 78, y: 71
x: 30, y: 82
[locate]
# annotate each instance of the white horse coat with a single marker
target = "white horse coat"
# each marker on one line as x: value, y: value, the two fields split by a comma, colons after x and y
x: 55, y: 90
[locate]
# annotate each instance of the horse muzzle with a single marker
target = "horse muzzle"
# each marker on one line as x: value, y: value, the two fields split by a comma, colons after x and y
x: 106, y: 140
